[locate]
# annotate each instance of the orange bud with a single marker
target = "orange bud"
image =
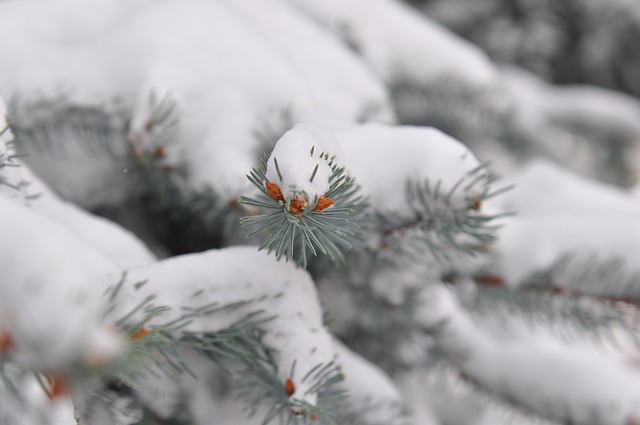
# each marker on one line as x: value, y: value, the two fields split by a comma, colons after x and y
x: 274, y: 191
x: 140, y: 333
x: 159, y: 152
x: 5, y: 341
x: 58, y: 387
x: 476, y: 204
x: 323, y: 203
x: 296, y: 206
x: 289, y: 388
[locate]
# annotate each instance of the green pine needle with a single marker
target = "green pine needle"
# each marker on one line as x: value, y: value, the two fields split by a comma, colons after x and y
x: 449, y: 224
x: 298, y: 237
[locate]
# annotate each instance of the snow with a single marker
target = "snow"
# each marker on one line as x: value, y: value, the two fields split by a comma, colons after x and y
x: 559, y: 213
x: 373, y: 397
x: 244, y: 79
x: 51, y: 299
x: 534, y: 243
x: 235, y: 70
x: 399, y: 43
x: 538, y: 101
x: 408, y: 154
x: 298, y: 154
x: 382, y: 158
x: 544, y: 188
x: 538, y: 371
x: 34, y: 408
x: 222, y: 276
x: 594, y: 105
x: 114, y: 242
x: 117, y: 244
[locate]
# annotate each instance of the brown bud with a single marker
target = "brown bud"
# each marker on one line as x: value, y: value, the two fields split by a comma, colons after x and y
x: 289, y: 388
x: 6, y: 341
x: 274, y: 191
x: 297, y: 206
x: 159, y: 152
x: 140, y: 333
x: 323, y: 203
x: 475, y: 204
x: 58, y: 387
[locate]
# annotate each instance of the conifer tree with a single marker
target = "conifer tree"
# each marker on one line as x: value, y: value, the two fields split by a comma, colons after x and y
x: 306, y: 212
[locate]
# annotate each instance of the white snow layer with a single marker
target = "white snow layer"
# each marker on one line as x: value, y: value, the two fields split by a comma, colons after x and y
x: 224, y: 277
x: 223, y: 63
x: 298, y: 155
x: 400, y: 43
x: 373, y: 397
x: 605, y: 107
x: 51, y: 299
x: 383, y: 158
x: 542, y: 187
x: 541, y: 107
x: 114, y: 242
x: 559, y: 213
x: 111, y: 240
x: 34, y: 408
x: 538, y: 371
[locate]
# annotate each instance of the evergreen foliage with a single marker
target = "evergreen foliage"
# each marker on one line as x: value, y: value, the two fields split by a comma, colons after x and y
x: 552, y: 39
x: 415, y: 288
x: 328, y: 231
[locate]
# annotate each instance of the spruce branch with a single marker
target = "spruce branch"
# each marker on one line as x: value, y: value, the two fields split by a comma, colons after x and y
x: 238, y: 350
x: 465, y: 111
x: 580, y: 277
x: 447, y: 223
x: 49, y: 124
x: 258, y: 383
x: 202, y: 218
x: 160, y: 129
x: 570, y: 317
x: 583, y: 276
x: 8, y: 158
x: 497, y: 405
x: 299, y: 226
x: 260, y: 387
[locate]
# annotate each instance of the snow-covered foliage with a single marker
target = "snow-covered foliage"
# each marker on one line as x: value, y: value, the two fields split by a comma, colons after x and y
x: 129, y: 51
x: 297, y: 165
x: 399, y: 44
x: 580, y: 41
x: 145, y: 141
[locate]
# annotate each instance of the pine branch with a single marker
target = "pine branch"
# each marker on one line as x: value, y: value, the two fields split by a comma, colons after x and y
x: 441, y: 224
x: 467, y: 112
x: 258, y: 384
x: 183, y: 218
x: 297, y: 233
x: 470, y: 347
x: 567, y: 316
x: 383, y: 327
x: 51, y: 124
x: 501, y: 401
x: 394, y: 328
x: 239, y: 344
x: 9, y: 159
x: 591, y: 275
x: 586, y: 277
